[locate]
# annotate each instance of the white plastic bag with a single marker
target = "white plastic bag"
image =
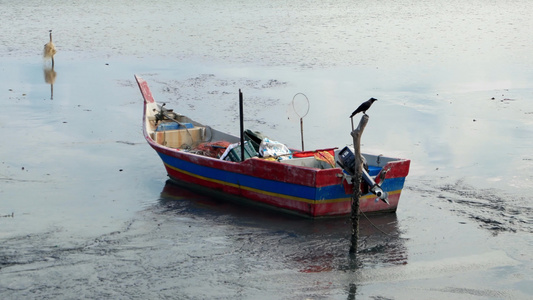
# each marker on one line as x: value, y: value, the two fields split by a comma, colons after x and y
x: 269, y: 148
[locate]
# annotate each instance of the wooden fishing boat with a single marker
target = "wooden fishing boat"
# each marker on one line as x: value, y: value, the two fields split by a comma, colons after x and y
x: 310, y: 183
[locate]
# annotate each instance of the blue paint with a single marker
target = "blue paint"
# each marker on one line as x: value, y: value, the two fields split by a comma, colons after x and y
x: 272, y: 186
x: 173, y: 126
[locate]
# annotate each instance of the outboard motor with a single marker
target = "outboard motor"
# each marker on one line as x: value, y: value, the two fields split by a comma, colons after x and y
x: 347, y: 163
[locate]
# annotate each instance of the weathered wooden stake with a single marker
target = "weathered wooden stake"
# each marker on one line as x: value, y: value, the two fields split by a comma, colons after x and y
x: 356, y: 181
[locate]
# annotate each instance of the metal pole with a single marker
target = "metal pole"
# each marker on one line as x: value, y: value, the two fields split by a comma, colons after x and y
x: 241, y: 117
x: 302, y: 131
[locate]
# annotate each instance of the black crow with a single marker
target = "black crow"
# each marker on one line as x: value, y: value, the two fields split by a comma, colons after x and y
x: 364, y: 107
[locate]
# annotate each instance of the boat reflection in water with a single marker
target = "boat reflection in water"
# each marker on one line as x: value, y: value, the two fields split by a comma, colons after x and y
x: 308, y: 245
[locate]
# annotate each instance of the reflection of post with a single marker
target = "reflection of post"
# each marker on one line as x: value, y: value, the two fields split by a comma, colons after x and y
x: 356, y: 181
x: 352, y: 291
x: 50, y: 77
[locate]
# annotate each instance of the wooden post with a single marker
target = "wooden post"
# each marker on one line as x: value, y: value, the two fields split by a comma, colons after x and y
x: 241, y: 118
x: 356, y: 181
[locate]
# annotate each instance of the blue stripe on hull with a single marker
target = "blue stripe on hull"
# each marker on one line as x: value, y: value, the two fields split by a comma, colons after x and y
x: 228, y: 177
x: 393, y: 184
x: 271, y: 186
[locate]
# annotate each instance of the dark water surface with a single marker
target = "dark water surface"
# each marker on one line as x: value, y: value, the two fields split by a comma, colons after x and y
x: 85, y: 209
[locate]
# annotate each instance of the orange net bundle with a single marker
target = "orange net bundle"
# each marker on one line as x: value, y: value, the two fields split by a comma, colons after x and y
x: 213, y: 149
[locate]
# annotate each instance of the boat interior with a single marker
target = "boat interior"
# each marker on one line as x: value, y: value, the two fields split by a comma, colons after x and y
x: 177, y: 131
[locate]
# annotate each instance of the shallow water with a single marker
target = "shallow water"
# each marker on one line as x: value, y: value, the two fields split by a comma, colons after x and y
x: 85, y: 210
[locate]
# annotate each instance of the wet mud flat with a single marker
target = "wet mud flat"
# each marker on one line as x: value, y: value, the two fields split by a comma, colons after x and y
x: 111, y: 227
x: 191, y: 246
